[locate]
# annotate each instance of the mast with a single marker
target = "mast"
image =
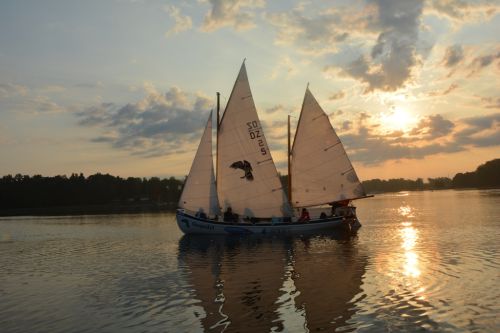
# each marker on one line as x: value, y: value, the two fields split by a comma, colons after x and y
x: 217, y: 137
x: 289, y: 173
x: 218, y: 109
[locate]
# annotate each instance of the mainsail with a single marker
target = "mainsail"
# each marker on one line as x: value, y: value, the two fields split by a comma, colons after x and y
x: 321, y: 171
x: 247, y: 179
x: 199, y: 194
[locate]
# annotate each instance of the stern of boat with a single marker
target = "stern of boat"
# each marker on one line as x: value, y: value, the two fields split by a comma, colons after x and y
x: 349, y: 213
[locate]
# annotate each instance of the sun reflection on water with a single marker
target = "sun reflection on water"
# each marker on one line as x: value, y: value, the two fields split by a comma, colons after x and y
x: 409, y: 237
x: 405, y: 211
x: 411, y: 264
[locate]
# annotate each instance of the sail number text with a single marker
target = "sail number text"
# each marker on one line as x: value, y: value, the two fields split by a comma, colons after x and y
x: 255, y: 134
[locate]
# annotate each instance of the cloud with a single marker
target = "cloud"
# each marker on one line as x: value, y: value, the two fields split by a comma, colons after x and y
x: 338, y: 95
x: 95, y: 115
x: 314, y: 35
x: 481, y: 62
x: 390, y: 63
x: 370, y: 149
x: 432, y: 135
x: 453, y: 56
x: 18, y: 98
x: 448, y: 90
x: 276, y: 134
x: 363, y: 116
x: 460, y: 11
x: 394, y: 55
x: 491, y: 102
x: 42, y: 104
x: 457, y: 60
x: 481, y: 131
x: 159, y: 124
x: 8, y: 90
x: 94, y: 85
x: 433, y: 126
x: 181, y: 22
x: 384, y: 46
x: 238, y: 14
x: 480, y: 123
x: 51, y: 89
x: 285, y: 65
x: 346, y: 125
x: 276, y: 108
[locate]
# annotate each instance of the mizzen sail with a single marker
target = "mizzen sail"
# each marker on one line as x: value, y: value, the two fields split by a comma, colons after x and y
x: 199, y: 194
x: 320, y: 169
x: 247, y: 179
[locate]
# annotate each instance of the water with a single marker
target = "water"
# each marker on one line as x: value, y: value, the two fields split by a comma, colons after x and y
x: 423, y: 261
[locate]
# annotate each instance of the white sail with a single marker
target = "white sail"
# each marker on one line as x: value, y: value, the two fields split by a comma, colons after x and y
x: 320, y: 169
x: 247, y: 179
x: 199, y: 194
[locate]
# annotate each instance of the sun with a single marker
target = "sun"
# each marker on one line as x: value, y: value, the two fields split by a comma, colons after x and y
x: 398, y: 119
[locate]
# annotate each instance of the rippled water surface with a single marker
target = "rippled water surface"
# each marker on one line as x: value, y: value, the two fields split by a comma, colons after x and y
x: 423, y: 261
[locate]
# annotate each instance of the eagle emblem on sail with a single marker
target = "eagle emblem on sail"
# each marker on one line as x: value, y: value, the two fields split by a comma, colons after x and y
x: 246, y: 167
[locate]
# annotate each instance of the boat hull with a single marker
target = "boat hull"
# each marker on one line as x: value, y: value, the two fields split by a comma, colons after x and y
x: 194, y: 225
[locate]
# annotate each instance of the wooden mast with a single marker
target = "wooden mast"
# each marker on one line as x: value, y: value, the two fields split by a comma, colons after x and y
x: 217, y: 137
x: 289, y: 173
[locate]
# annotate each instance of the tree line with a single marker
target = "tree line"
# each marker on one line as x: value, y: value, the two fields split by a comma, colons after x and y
x: 401, y: 184
x: 23, y: 191
x: 485, y: 176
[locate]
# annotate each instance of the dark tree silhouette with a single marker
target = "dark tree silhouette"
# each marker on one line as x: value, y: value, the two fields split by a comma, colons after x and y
x: 22, y: 194
x: 22, y: 191
x: 486, y: 175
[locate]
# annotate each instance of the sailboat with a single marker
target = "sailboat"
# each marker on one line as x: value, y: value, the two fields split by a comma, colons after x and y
x: 248, y: 188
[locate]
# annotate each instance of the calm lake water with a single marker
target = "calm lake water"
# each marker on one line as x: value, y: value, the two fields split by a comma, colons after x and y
x: 423, y: 261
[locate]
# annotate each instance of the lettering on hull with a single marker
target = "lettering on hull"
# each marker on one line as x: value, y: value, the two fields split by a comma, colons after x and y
x: 238, y: 230
x: 203, y: 226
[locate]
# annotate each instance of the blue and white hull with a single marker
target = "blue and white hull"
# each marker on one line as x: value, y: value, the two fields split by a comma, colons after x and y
x: 190, y: 224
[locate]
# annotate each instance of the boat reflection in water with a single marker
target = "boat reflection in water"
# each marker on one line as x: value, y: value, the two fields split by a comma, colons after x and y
x: 255, y: 284
x: 327, y: 281
x: 237, y: 281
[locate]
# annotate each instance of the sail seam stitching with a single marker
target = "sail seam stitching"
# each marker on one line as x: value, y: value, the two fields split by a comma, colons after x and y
x: 327, y: 148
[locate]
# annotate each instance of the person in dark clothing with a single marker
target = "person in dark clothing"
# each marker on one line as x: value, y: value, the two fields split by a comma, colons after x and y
x: 201, y: 214
x: 229, y: 216
x: 304, y: 216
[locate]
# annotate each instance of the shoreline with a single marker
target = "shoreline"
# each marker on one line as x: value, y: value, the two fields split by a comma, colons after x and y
x: 104, y: 209
x: 141, y: 208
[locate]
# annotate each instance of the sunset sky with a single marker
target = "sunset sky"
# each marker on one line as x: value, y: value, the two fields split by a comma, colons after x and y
x: 125, y: 86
